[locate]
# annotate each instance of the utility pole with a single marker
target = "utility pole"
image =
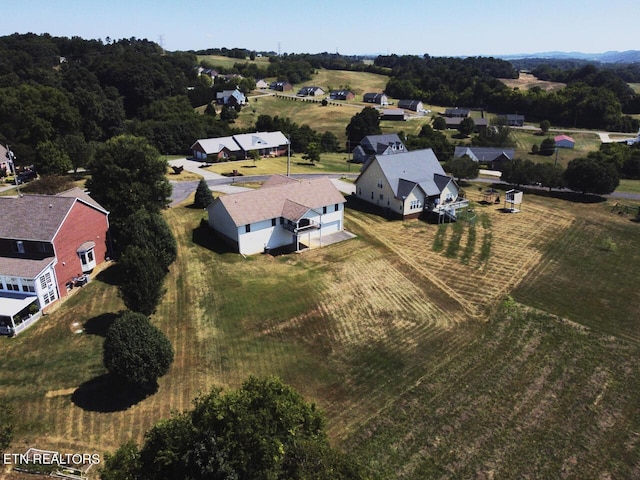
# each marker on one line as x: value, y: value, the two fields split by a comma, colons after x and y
x: 11, y: 157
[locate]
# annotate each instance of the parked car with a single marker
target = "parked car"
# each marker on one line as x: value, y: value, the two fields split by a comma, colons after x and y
x: 26, y: 176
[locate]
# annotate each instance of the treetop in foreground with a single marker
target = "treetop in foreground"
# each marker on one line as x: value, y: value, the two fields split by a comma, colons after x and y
x: 263, y: 430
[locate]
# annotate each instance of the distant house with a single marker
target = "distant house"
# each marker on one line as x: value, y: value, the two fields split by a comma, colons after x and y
x: 393, y: 114
x: 414, y: 105
x: 281, y: 86
x: 4, y: 160
x: 342, y: 95
x: 454, y: 122
x: 371, y: 145
x: 231, y: 97
x: 261, y: 84
x: 48, y: 245
x: 239, y: 147
x: 310, y: 91
x: 377, y: 98
x: 564, y: 141
x: 457, y: 112
x: 408, y: 185
x: 209, y: 72
x: 513, y: 120
x: 284, y: 212
x: 495, y: 157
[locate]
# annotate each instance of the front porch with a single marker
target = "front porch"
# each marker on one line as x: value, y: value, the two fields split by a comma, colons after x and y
x: 18, y: 312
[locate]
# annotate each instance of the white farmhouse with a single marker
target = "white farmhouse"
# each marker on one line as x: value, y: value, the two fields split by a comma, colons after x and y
x: 284, y: 212
x: 408, y: 185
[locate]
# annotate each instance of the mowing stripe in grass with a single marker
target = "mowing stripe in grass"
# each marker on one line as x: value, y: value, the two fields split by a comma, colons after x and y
x: 470, y: 245
x: 438, y: 241
x: 454, y: 242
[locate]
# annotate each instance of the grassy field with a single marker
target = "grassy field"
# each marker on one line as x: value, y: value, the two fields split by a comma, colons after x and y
x: 398, y: 335
x: 329, y: 163
x: 228, y: 62
x: 526, y: 81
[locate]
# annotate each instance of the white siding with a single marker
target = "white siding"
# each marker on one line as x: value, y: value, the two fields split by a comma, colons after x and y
x: 220, y: 221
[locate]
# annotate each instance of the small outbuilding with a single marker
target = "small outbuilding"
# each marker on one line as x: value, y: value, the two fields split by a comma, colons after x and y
x: 564, y: 141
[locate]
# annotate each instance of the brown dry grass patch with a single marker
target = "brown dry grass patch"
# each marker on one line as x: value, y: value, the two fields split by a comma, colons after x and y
x: 526, y: 81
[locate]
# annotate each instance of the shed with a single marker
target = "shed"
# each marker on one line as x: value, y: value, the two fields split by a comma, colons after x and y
x: 564, y: 141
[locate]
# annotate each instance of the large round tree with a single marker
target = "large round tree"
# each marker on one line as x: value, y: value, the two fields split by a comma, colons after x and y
x: 137, y: 352
x: 127, y: 174
x: 588, y: 175
x: 367, y: 122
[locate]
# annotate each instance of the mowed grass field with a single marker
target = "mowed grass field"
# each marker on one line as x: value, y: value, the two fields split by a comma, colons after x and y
x: 398, y: 335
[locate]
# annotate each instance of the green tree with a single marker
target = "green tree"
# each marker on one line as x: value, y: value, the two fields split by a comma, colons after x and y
x: 439, y: 123
x: 329, y: 142
x: 547, y: 147
x: 128, y: 174
x: 466, y: 126
x: 228, y: 114
x: 80, y: 152
x: 203, y: 197
x: 587, y: 175
x: 51, y: 159
x: 549, y: 175
x: 366, y: 122
x: 149, y: 231
x: 312, y: 153
x: 137, y: 352
x: 545, y: 125
x: 264, y: 430
x: 519, y: 172
x: 7, y: 424
x: 141, y: 288
x: 463, y: 167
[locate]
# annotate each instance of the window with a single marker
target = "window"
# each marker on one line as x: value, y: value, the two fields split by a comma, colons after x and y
x: 371, y: 195
x: 379, y: 183
x: 20, y: 246
x: 281, y: 220
x: 324, y: 210
x: 45, y: 281
x: 28, y: 286
x: 247, y: 228
x: 12, y: 284
x: 381, y: 196
x: 337, y: 207
x: 273, y: 222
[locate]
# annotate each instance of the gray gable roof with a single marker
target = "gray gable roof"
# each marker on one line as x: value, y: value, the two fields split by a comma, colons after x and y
x: 39, y: 217
x: 483, y: 154
x: 420, y: 167
x: 378, y: 144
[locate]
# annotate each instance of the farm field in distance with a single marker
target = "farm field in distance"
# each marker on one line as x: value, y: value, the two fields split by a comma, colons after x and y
x: 401, y: 335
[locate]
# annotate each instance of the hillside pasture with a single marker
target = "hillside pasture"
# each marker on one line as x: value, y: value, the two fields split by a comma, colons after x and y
x: 527, y: 81
x: 228, y: 62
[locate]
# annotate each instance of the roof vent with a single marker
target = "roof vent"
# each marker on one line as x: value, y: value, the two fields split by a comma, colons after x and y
x: 51, y: 205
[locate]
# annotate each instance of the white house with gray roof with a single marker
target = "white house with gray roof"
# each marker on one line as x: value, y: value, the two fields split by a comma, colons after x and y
x: 408, y: 185
x: 239, y: 147
x: 284, y: 212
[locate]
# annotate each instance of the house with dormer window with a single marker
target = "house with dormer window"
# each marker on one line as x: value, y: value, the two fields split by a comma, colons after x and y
x: 49, y: 244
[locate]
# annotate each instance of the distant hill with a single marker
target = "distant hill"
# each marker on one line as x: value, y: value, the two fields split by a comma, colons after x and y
x: 628, y: 56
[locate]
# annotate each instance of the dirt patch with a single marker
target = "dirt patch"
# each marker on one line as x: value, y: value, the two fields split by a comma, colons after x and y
x: 60, y: 393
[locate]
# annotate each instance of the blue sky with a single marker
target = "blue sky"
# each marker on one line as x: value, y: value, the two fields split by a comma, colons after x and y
x: 415, y: 27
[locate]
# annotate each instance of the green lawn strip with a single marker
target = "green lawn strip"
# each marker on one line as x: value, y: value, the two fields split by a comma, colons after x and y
x: 453, y: 246
x: 470, y: 246
x: 329, y: 163
x: 438, y: 241
x: 529, y: 398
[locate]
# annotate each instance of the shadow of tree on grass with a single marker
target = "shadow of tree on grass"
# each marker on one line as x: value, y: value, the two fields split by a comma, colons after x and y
x: 99, y: 325
x: 107, y: 393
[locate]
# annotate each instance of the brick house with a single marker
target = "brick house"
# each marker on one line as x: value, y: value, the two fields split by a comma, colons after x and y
x: 48, y: 245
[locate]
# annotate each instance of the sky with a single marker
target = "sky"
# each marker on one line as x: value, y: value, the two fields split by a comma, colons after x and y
x: 349, y: 27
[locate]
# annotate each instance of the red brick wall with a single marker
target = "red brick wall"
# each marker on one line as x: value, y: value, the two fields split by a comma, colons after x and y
x: 83, y: 224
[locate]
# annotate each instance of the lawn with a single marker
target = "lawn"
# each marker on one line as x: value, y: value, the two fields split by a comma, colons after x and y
x: 228, y: 62
x: 329, y: 163
x: 397, y: 335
